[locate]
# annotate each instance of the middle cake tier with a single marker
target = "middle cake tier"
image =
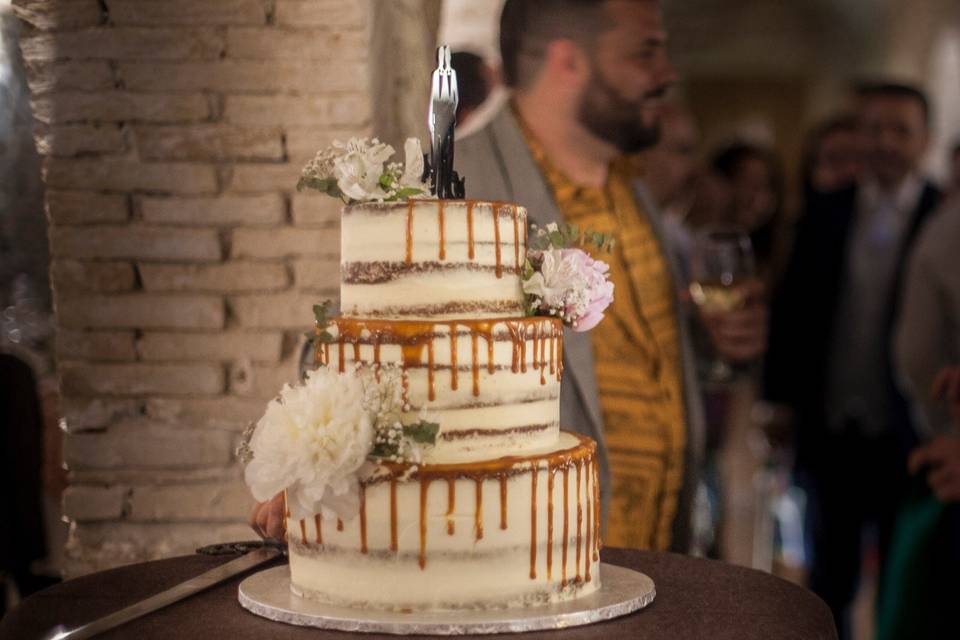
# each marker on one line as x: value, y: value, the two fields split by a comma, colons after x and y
x: 492, y: 385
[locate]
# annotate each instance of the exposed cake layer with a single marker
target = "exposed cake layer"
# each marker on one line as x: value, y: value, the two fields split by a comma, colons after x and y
x: 506, y: 532
x: 492, y: 385
x: 432, y: 259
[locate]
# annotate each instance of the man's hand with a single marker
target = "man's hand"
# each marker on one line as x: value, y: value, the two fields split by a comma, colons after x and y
x: 941, y: 458
x: 740, y: 335
x: 267, y: 518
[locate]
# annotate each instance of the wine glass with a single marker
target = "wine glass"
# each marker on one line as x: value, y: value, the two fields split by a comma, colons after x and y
x: 721, y: 259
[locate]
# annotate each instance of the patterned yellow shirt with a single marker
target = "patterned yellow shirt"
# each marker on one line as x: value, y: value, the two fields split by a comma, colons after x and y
x: 637, y: 357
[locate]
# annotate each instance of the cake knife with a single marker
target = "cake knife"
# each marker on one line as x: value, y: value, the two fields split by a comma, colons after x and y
x: 261, y: 554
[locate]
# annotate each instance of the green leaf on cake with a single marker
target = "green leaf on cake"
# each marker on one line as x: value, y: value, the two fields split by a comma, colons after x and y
x: 407, y: 192
x: 323, y: 185
x: 423, y: 432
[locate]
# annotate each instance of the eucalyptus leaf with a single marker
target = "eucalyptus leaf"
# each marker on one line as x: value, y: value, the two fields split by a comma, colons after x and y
x: 423, y: 432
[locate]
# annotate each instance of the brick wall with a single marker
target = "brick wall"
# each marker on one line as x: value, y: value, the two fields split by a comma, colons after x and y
x: 184, y: 265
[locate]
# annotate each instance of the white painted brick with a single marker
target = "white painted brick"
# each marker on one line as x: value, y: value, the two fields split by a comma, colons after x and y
x: 125, y: 175
x: 135, y: 241
x: 222, y: 346
x: 136, y: 475
x: 303, y: 143
x: 224, y: 277
x: 277, y: 311
x: 71, y: 276
x: 261, y: 381
x: 71, y: 140
x: 266, y: 209
x: 92, y: 503
x: 316, y: 210
x: 124, y: 43
x: 224, y: 412
x: 256, y: 178
x: 95, y: 345
x: 44, y: 76
x: 224, y: 502
x: 346, y: 110
x: 144, y: 311
x: 209, y: 142
x: 100, y: 546
x: 53, y: 15
x: 136, y: 379
x: 187, y: 12
x: 119, y: 106
x: 84, y: 413
x: 321, y: 13
x: 322, y: 275
x: 238, y: 76
x: 148, y: 445
x: 285, y: 242
x: 84, y: 207
x: 261, y: 43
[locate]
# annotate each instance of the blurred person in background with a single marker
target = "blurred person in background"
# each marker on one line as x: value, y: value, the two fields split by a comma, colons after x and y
x: 475, y: 81
x: 832, y: 156
x: 755, y: 186
x: 829, y: 359
x: 952, y: 187
x: 669, y: 172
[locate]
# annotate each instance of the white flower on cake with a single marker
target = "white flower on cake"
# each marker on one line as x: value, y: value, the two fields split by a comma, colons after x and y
x: 357, y: 171
x: 318, y: 439
x: 565, y: 281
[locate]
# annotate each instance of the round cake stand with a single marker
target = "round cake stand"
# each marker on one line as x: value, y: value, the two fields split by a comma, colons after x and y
x: 622, y: 591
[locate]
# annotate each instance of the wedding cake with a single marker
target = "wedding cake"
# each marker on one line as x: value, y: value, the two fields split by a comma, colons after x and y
x: 422, y: 462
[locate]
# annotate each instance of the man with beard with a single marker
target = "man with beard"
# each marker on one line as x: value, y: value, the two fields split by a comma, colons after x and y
x: 587, y: 80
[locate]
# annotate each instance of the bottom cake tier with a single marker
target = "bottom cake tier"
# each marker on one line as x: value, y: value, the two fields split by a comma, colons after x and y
x: 514, y: 531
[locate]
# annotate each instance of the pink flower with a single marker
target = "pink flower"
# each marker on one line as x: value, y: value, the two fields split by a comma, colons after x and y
x: 572, y: 285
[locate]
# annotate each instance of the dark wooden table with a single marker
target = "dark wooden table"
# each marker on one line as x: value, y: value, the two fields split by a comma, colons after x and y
x: 695, y: 599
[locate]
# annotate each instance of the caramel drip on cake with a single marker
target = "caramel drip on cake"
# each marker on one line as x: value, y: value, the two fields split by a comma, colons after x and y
x: 339, y: 524
x: 453, y: 356
x: 476, y: 366
x: 393, y: 514
x: 356, y: 352
x: 533, y: 521
x: 535, y: 341
x: 560, y: 354
x: 543, y: 357
x: 553, y: 352
x: 566, y: 524
x: 496, y: 235
x: 596, y: 512
x: 363, y: 519
x: 340, y: 344
x: 478, y: 513
x: 503, y: 502
x: 516, y: 241
x: 470, y: 252
x: 516, y: 341
x: 488, y: 334
x: 424, y: 485
x: 376, y: 357
x: 443, y: 250
x: 589, y: 523
x: 550, y: 473
x: 451, y: 500
x: 303, y: 531
x: 579, y: 467
x: 318, y: 522
x: 409, y: 256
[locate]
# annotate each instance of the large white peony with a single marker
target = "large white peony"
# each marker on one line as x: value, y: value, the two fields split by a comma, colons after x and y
x: 312, y: 442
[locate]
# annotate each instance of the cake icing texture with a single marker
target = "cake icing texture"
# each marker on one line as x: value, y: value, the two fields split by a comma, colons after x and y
x: 503, y: 509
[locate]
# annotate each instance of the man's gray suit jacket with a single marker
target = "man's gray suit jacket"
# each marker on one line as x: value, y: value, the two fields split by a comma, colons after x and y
x: 498, y: 165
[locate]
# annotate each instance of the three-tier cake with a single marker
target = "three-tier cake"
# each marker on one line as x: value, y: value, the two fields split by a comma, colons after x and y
x: 504, y: 508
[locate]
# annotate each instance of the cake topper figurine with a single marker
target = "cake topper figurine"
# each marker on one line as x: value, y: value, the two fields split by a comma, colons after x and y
x: 444, y: 97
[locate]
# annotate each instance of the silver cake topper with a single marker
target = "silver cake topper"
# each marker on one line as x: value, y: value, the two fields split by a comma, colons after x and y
x: 444, y: 98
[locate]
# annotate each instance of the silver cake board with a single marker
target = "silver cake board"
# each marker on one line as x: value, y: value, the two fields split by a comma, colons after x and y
x: 622, y: 591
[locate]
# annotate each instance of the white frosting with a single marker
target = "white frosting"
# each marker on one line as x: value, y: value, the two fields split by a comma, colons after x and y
x: 426, y: 273
x: 460, y: 570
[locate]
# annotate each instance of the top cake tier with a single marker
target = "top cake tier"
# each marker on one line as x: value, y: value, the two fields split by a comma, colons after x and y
x: 432, y: 259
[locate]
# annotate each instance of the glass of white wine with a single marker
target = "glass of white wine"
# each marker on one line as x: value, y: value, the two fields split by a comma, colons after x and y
x: 721, y: 259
